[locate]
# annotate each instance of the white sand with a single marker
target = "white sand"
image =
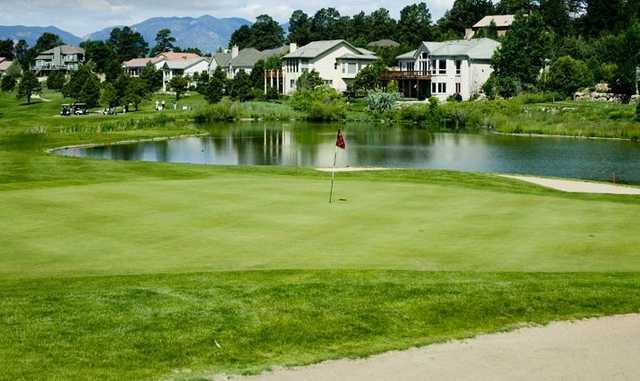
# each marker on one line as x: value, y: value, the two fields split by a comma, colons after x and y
x: 596, y: 349
x: 576, y: 186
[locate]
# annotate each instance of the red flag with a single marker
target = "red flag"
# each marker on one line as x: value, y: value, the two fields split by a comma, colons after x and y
x: 340, y: 140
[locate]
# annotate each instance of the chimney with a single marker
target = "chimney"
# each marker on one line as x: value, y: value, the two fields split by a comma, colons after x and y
x: 235, y: 51
x: 293, y: 47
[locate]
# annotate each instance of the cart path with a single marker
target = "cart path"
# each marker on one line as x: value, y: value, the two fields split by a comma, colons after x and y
x: 577, y: 186
x: 594, y: 349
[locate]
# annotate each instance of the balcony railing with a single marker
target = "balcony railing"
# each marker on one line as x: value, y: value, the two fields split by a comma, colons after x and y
x: 394, y: 75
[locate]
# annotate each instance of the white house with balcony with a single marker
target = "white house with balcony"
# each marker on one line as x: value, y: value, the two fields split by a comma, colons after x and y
x: 60, y: 58
x: 185, y: 68
x: 336, y: 61
x: 443, y: 69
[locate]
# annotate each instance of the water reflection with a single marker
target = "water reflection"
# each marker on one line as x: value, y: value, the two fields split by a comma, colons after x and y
x: 309, y: 145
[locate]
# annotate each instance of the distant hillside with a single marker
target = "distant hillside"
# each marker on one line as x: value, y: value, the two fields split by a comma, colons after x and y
x: 32, y: 33
x: 206, y: 33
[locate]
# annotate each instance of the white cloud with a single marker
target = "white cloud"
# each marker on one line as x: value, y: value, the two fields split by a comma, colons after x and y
x: 85, y: 16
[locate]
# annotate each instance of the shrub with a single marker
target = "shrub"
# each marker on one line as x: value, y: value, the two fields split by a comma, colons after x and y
x: 638, y: 111
x: 56, y: 80
x: 219, y: 112
x: 455, y: 98
x: 303, y: 99
x: 327, y: 111
x: 567, y: 75
x: 8, y: 83
x: 309, y: 80
x: 380, y: 101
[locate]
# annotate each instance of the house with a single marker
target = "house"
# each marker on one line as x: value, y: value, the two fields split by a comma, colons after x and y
x: 182, y: 67
x: 63, y: 58
x: 336, y: 61
x: 236, y: 60
x: 443, y: 69
x: 503, y: 24
x: 383, y: 44
x: 135, y: 66
x: 4, y: 65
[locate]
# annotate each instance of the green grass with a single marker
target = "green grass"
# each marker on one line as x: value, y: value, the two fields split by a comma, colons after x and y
x: 127, y: 270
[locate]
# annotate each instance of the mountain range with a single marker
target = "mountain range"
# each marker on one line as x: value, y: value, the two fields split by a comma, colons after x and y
x: 206, y: 33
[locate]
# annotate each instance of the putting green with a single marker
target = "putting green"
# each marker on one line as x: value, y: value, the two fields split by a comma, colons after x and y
x: 242, y: 222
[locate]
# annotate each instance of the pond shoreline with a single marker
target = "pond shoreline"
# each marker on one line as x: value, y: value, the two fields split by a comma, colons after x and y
x: 538, y: 135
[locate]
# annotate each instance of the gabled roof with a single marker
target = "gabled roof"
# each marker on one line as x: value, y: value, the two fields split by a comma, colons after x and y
x: 501, y: 21
x: 351, y: 56
x: 183, y: 64
x: 172, y: 56
x: 139, y: 62
x: 479, y: 48
x: 249, y: 57
x: 65, y: 49
x: 384, y: 43
x: 222, y: 59
x: 2, y: 59
x: 317, y: 48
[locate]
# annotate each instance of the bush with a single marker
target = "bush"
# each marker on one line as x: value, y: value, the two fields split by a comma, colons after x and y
x: 56, y: 80
x: 455, y: 98
x: 303, y: 99
x: 8, y: 83
x: 380, y: 101
x: 220, y: 112
x: 309, y: 80
x: 327, y: 111
x: 567, y: 75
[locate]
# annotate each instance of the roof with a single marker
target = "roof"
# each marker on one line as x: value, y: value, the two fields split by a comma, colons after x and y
x: 501, y: 21
x: 479, y: 48
x: 4, y: 64
x: 384, y: 43
x: 351, y: 56
x: 2, y: 59
x: 407, y: 56
x: 249, y: 57
x: 317, y: 48
x: 183, y: 64
x: 138, y: 62
x: 171, y: 56
x: 222, y: 59
x: 65, y: 49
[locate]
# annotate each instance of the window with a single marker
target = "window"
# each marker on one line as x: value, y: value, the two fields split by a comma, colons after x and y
x: 425, y: 55
x: 433, y: 88
x: 327, y: 82
x: 442, y: 67
x: 458, y: 88
x: 335, y: 66
x: 410, y: 66
x: 442, y: 88
x: 433, y: 66
x: 458, y: 67
x: 353, y: 68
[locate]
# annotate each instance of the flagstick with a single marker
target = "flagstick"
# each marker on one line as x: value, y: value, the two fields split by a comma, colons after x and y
x: 333, y: 174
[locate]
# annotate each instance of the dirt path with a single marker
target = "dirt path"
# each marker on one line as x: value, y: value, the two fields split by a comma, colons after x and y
x: 576, y: 186
x: 595, y: 349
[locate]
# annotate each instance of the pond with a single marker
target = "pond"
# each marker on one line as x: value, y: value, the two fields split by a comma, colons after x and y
x: 312, y: 145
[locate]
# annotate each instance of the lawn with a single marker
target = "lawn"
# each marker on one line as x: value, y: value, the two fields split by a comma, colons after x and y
x: 124, y: 271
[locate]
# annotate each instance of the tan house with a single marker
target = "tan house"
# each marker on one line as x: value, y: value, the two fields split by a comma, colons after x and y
x: 4, y: 65
x: 503, y: 24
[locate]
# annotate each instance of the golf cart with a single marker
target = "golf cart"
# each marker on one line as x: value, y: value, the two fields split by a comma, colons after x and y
x: 66, y: 110
x: 74, y: 109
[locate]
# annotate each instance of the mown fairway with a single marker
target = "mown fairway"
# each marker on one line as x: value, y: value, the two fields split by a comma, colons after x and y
x: 127, y: 271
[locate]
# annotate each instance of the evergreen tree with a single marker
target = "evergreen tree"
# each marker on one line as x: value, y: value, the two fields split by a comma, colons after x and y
x: 463, y: 14
x: 90, y: 92
x: 152, y: 77
x: 309, y: 80
x: 56, y: 80
x: 28, y: 86
x: 241, y: 87
x: 178, y: 85
x: 7, y: 50
x: 21, y: 53
x: 266, y: 33
x: 566, y: 75
x: 127, y: 44
x: 215, y: 87
x: 109, y: 97
x: 137, y: 92
x: 241, y: 37
x: 164, y: 42
x: 8, y: 83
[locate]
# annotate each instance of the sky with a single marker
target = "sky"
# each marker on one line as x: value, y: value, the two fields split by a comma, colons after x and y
x: 82, y: 17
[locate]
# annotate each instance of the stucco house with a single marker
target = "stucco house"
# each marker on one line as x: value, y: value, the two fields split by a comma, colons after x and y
x: 135, y: 66
x: 185, y: 68
x: 336, y: 61
x: 502, y: 22
x: 443, y: 69
x: 60, y: 58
